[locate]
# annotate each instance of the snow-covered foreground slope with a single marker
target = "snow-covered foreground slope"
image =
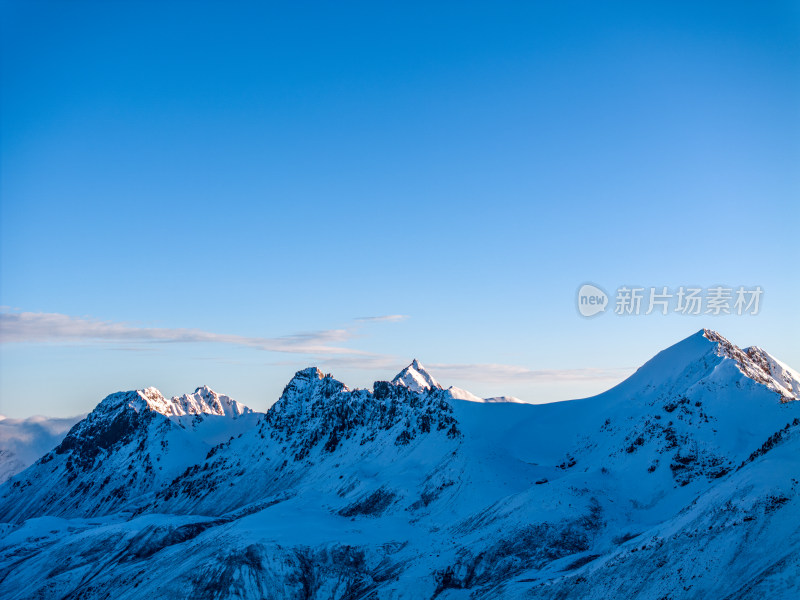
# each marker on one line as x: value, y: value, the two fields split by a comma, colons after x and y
x: 23, y: 441
x: 681, y: 482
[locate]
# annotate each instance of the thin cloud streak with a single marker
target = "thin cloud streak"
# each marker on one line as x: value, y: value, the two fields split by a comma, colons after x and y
x: 26, y: 327
x: 387, y: 365
x: 448, y: 373
x: 498, y: 373
x: 384, y: 318
x: 325, y: 346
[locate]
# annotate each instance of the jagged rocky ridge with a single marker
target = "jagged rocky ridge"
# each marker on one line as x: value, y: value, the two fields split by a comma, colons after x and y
x: 669, y: 485
x: 317, y: 421
x: 331, y: 412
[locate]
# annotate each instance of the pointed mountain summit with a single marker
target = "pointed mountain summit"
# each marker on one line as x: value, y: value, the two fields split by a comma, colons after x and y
x: 708, y: 357
x: 416, y: 378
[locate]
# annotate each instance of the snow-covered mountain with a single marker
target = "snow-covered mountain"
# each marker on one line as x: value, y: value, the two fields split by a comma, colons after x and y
x: 680, y: 482
x: 128, y: 447
x: 23, y: 441
x: 416, y: 378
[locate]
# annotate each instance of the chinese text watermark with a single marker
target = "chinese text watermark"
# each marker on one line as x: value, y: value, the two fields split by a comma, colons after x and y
x: 683, y: 300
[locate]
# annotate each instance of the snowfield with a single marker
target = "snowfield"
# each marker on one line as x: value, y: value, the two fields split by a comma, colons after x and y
x: 680, y: 482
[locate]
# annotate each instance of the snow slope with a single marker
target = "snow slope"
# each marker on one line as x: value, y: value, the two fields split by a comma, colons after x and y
x: 680, y: 482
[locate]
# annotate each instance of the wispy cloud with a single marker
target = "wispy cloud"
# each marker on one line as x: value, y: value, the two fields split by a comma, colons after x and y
x: 382, y: 364
x: 389, y: 318
x: 327, y: 347
x: 20, y: 327
x: 492, y: 372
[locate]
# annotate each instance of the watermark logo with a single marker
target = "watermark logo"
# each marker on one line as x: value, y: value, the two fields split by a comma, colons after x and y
x: 684, y: 300
x: 591, y: 300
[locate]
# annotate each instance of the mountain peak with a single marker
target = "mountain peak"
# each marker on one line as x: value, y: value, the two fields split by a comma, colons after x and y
x: 298, y: 393
x: 416, y: 378
x: 714, y: 336
x: 137, y: 400
x: 759, y: 366
x: 303, y: 380
x: 707, y: 354
x: 204, y: 400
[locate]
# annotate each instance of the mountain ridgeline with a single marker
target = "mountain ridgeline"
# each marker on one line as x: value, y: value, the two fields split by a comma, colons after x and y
x: 672, y: 484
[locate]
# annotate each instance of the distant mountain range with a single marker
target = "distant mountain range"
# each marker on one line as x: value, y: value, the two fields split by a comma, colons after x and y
x: 680, y: 482
x: 23, y: 441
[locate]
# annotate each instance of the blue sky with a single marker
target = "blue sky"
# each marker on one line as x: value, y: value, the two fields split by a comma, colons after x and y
x: 196, y: 193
